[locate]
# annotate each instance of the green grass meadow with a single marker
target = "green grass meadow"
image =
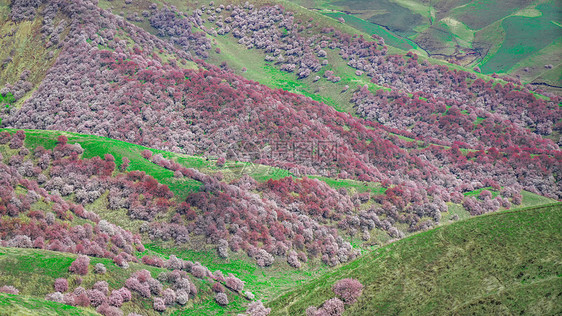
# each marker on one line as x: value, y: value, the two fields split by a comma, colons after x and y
x: 11, y: 305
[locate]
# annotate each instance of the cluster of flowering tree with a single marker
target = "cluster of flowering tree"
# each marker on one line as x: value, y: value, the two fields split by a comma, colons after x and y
x: 102, y: 85
x: 18, y: 89
x: 99, y: 296
x: 146, y: 286
x: 181, y: 283
x: 170, y: 289
x: 429, y: 102
x: 24, y: 9
x: 40, y: 217
x: 443, y: 105
x: 274, y: 31
x: 291, y: 45
x: 519, y: 121
x: 259, y: 227
x: 152, y: 116
x: 179, y: 31
x: 39, y: 173
x: 232, y: 216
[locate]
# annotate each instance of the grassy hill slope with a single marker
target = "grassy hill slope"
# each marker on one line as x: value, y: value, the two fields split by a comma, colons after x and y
x: 501, y: 263
x: 33, y: 272
x: 25, y: 305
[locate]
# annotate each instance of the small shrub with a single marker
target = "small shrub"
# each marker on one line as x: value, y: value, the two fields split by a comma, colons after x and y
x: 221, y: 299
x: 107, y: 310
x: 183, y: 284
x: 182, y: 297
x: 199, y: 271
x: 82, y: 299
x: 125, y: 294
x: 9, y: 289
x: 115, y: 299
x: 217, y: 287
x: 69, y: 299
x: 311, y: 311
x: 264, y: 259
x: 101, y: 286
x: 61, y: 285
x: 96, y: 297
x: 174, y: 263
x: 155, y: 286
x: 80, y: 265
x: 331, y: 307
x: 55, y: 297
x: 135, y: 285
x: 146, y: 154
x: 159, y: 304
x: 169, y: 296
x: 234, y: 283
x: 99, y: 268
x: 257, y: 309
x: 348, y: 290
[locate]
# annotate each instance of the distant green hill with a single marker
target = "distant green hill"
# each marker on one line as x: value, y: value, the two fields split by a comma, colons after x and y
x: 505, y: 263
x: 515, y: 37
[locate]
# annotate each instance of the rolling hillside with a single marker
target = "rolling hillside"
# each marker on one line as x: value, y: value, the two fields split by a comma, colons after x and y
x: 166, y: 157
x: 280, y: 274
x: 502, y: 263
